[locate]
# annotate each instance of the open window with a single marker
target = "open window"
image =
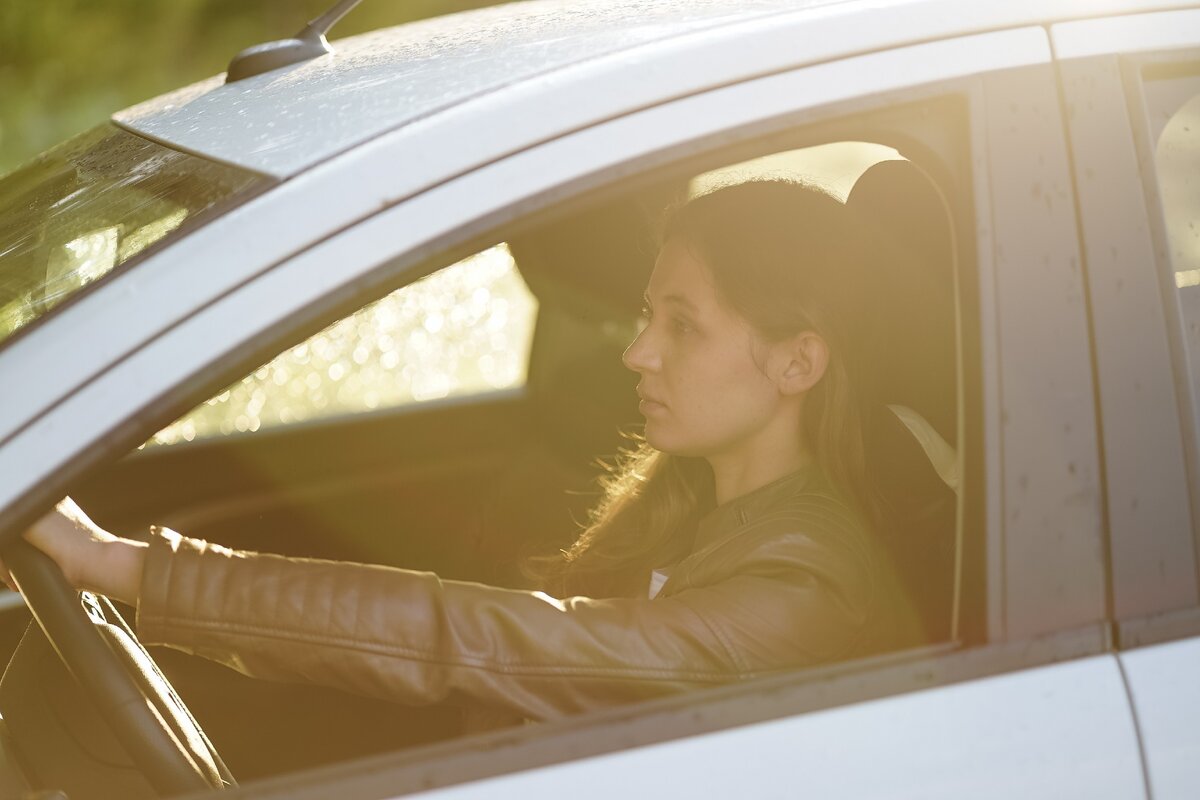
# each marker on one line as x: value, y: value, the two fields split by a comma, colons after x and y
x: 455, y: 424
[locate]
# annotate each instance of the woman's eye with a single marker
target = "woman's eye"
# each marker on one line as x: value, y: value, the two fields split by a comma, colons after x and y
x: 679, y: 325
x: 682, y: 325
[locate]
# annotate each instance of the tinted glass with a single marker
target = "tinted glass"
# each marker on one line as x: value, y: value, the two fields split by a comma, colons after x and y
x: 1173, y: 110
x: 91, y: 204
x: 464, y: 330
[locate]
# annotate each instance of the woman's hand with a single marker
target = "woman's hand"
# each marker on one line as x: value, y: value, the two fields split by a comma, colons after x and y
x: 90, y: 557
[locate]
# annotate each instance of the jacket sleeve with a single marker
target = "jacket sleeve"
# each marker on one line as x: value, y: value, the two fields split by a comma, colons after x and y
x: 412, y: 637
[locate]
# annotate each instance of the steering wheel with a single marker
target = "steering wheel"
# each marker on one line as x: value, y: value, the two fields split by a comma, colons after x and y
x: 145, y: 714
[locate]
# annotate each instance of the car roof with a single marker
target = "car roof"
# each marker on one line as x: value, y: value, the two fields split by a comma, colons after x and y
x: 285, y: 121
x: 281, y: 122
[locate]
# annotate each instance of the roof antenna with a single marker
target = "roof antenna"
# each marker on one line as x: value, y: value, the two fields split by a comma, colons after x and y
x: 309, y: 43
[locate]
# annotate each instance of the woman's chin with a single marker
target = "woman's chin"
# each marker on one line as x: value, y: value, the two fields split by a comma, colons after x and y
x: 663, y: 441
x: 654, y: 437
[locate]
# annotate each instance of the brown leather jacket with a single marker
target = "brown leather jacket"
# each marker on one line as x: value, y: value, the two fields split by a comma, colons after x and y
x: 784, y: 577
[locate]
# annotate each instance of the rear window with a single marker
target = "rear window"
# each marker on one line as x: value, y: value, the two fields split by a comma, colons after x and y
x: 93, y: 203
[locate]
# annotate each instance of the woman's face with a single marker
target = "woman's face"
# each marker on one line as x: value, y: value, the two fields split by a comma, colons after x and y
x: 705, y: 387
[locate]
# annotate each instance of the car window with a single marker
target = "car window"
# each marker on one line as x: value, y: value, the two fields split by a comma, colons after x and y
x: 1172, y: 97
x: 92, y: 203
x: 464, y: 330
x: 467, y: 329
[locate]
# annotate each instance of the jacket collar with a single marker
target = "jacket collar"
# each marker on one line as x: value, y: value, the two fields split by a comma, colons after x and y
x: 737, y: 514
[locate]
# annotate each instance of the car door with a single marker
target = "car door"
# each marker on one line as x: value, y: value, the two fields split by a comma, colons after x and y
x: 1024, y: 698
x: 993, y: 710
x: 1132, y: 85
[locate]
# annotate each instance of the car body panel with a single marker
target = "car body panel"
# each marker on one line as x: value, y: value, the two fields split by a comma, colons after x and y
x: 1166, y: 697
x: 1130, y: 33
x: 1055, y: 732
x: 687, y: 718
x: 285, y: 121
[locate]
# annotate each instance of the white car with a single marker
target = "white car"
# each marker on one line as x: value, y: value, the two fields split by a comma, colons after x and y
x: 242, y: 248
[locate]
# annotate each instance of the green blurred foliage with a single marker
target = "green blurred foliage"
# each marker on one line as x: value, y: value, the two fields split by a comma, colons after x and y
x: 66, y: 65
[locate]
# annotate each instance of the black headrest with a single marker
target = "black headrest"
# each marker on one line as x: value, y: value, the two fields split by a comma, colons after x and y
x: 913, y: 299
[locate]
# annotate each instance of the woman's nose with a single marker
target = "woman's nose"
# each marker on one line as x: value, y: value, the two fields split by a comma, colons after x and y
x: 641, y: 356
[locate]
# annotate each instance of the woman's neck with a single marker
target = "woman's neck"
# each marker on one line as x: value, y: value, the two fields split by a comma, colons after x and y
x: 734, y: 477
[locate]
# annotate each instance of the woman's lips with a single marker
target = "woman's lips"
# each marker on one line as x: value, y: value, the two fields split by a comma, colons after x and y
x: 649, y: 406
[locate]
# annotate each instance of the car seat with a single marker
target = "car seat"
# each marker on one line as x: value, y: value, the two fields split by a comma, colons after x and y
x: 911, y: 431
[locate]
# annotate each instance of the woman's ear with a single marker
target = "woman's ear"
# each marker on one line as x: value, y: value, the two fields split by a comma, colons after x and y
x: 804, y: 358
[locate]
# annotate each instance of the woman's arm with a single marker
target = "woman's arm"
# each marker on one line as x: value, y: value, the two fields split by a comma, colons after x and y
x: 782, y: 600
x: 412, y: 637
x: 90, y: 557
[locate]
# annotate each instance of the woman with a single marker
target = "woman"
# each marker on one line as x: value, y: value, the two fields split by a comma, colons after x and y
x: 734, y: 543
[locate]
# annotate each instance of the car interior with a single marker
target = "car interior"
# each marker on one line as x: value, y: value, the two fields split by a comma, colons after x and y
x: 473, y: 487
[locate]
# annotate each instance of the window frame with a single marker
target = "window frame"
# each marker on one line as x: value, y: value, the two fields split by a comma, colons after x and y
x: 1149, y: 416
x: 513, y: 751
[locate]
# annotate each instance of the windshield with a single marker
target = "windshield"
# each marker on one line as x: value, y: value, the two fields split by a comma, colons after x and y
x: 95, y: 202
